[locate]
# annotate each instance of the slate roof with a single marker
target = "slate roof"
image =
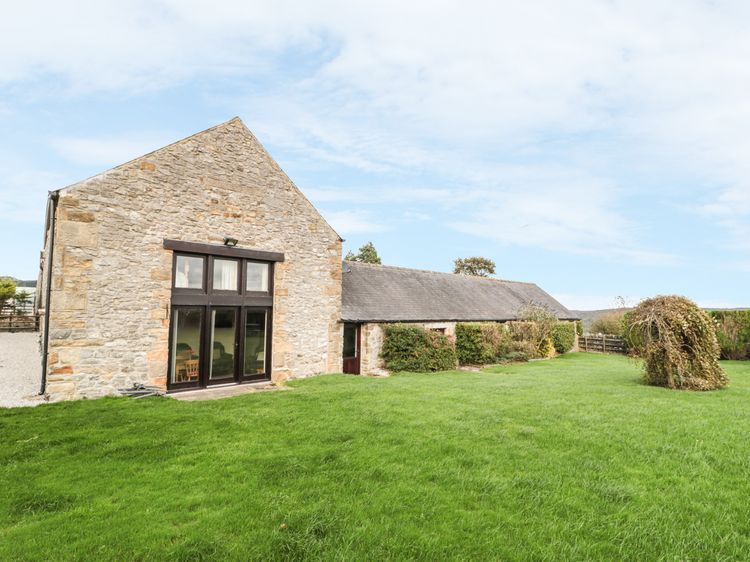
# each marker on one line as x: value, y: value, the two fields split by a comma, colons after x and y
x: 380, y: 293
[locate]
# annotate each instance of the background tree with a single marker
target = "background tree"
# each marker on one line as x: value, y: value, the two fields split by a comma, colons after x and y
x: 367, y: 254
x: 21, y: 301
x: 479, y: 266
x: 7, y: 291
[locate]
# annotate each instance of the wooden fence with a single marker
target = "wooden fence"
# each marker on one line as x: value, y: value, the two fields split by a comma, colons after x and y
x: 602, y: 343
x: 19, y: 316
x: 19, y: 323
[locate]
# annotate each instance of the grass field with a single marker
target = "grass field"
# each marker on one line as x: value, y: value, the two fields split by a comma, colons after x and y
x: 564, y: 459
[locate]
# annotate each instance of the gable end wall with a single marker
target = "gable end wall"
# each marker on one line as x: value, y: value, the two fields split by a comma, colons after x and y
x: 111, y: 284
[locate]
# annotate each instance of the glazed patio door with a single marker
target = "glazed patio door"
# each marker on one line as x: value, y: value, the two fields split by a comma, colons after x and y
x: 256, y: 344
x: 186, y: 337
x: 222, y: 303
x: 223, y: 345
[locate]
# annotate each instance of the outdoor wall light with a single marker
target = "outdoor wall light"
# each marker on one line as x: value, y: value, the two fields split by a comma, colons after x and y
x: 229, y: 241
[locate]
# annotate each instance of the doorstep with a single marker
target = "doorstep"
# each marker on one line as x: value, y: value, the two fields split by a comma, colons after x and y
x: 224, y: 391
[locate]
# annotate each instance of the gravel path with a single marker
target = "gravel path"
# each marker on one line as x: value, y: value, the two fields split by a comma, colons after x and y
x: 20, y: 369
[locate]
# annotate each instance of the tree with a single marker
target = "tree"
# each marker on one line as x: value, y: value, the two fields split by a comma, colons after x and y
x: 7, y: 291
x: 677, y: 342
x: 21, y: 300
x: 478, y: 266
x: 366, y: 254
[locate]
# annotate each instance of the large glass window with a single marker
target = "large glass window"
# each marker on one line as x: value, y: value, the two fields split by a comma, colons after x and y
x: 256, y: 276
x: 186, y: 340
x: 225, y: 275
x: 255, y: 342
x: 223, y: 338
x: 189, y: 272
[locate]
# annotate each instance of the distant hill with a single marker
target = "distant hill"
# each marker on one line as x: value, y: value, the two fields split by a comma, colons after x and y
x: 20, y: 282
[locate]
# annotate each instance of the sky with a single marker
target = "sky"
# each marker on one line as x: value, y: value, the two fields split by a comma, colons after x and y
x: 597, y: 148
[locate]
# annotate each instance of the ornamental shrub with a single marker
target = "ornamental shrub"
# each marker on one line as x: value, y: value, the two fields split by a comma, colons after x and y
x: 733, y: 333
x: 677, y: 342
x: 546, y: 347
x: 481, y: 343
x: 412, y: 348
x: 564, y: 336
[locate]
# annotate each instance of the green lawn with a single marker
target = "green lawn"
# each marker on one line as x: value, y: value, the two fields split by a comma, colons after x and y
x: 565, y: 459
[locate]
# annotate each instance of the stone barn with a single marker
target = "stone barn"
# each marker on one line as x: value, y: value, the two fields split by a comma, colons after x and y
x: 374, y: 295
x: 198, y: 264
x: 202, y: 264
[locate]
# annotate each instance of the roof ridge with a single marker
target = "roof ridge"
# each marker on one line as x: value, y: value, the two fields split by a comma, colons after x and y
x: 179, y: 141
x: 376, y: 265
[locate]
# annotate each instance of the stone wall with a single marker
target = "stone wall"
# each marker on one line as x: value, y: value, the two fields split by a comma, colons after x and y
x: 372, y: 343
x: 111, y: 284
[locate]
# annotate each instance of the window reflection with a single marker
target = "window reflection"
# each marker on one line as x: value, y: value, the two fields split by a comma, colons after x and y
x: 223, y: 334
x: 255, y: 342
x: 189, y: 272
x: 186, y: 337
x: 257, y: 276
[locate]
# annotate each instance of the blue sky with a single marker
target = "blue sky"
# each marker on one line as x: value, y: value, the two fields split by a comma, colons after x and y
x: 599, y: 149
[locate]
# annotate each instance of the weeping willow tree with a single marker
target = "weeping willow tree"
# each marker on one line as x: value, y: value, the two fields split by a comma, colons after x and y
x: 677, y: 342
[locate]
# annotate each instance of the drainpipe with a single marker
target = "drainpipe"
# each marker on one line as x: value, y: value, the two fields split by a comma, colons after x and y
x: 49, y: 259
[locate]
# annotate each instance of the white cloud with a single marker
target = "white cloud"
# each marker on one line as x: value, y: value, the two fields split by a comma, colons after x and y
x: 353, y: 222
x: 23, y: 195
x: 450, y: 88
x: 377, y: 194
x: 109, y: 151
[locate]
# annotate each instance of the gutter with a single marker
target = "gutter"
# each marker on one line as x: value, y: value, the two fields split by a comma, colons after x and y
x: 51, y: 220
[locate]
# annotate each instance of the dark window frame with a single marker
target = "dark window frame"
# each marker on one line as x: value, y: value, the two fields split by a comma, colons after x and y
x: 208, y: 299
x: 186, y: 290
x: 212, y: 261
x: 171, y: 385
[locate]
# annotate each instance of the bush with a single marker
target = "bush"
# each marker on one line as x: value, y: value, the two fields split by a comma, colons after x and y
x: 546, y: 348
x: 522, y: 351
x: 481, y: 343
x: 612, y: 323
x: 579, y: 327
x: 412, y: 348
x: 677, y: 342
x: 733, y: 333
x: 564, y: 336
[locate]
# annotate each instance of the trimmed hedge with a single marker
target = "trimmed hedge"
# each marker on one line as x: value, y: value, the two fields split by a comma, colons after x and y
x: 733, y: 332
x: 412, y: 348
x: 564, y: 336
x: 481, y: 343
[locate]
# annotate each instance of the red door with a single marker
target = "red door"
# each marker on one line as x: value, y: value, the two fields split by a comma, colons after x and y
x: 351, y: 348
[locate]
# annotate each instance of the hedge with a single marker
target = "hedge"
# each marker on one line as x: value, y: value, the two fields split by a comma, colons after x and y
x: 412, y: 348
x: 564, y: 336
x: 481, y: 343
x: 733, y: 333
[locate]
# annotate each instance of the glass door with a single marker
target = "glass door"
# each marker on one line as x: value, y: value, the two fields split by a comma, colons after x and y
x: 223, y: 345
x: 256, y: 347
x: 187, y: 329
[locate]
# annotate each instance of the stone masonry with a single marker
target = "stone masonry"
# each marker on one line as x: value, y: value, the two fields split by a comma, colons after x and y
x: 111, y: 276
